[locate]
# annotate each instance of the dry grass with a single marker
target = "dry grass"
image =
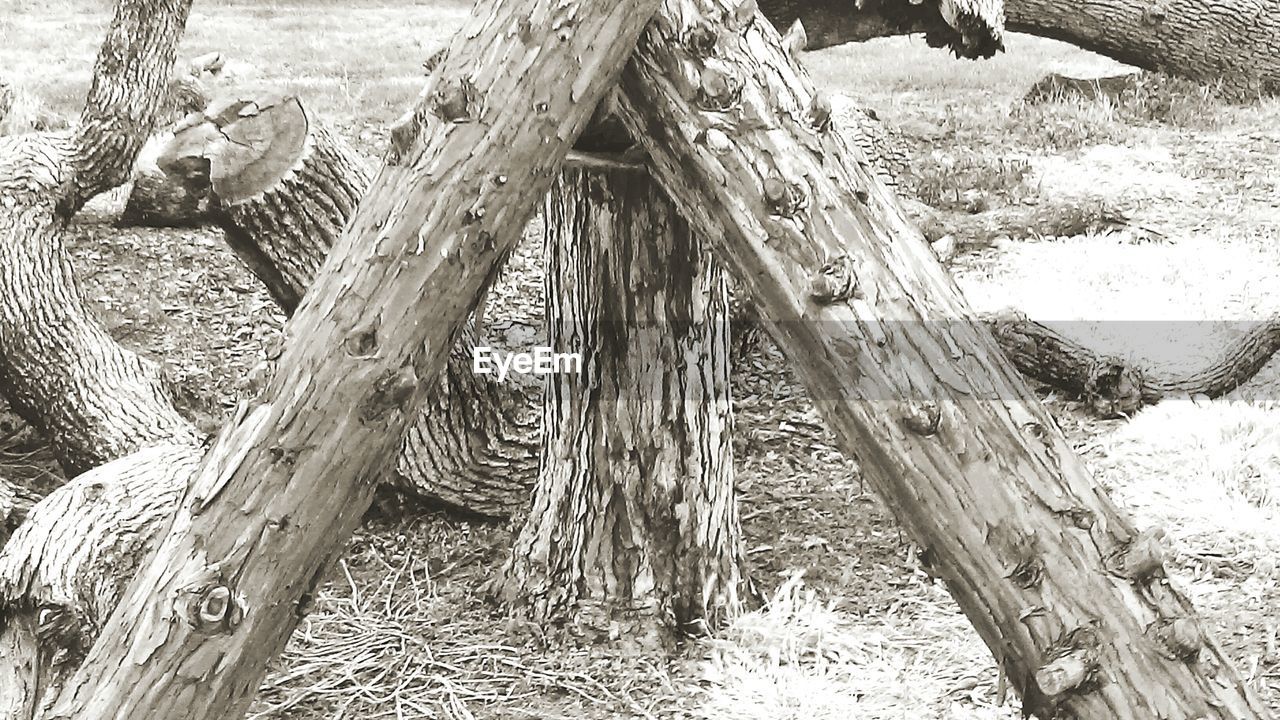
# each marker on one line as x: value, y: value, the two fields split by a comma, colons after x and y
x: 800, y: 658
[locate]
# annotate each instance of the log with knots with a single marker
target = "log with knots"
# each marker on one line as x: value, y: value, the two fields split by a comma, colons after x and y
x: 729, y: 146
x: 177, y: 188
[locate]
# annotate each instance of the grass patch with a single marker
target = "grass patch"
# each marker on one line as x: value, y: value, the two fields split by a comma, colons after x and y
x: 799, y: 658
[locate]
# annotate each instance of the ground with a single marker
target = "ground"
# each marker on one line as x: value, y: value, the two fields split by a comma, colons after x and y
x: 853, y: 628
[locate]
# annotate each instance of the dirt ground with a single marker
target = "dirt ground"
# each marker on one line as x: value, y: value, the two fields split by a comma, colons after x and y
x: 853, y: 627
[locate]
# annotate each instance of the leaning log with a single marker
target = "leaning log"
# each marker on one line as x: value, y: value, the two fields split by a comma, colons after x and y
x: 287, y: 480
x: 282, y: 186
x: 912, y: 383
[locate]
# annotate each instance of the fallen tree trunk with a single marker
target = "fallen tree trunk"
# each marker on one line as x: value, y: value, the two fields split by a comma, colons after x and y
x: 1234, y: 46
x: 288, y: 480
x: 1060, y: 217
x: 942, y: 425
x: 282, y: 187
x: 1114, y: 387
x: 971, y: 28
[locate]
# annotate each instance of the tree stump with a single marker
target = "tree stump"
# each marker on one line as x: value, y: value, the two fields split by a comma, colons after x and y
x: 634, y: 527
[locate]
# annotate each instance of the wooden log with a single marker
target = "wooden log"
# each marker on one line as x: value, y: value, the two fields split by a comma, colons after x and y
x: 282, y: 186
x: 63, y: 571
x: 637, y: 442
x: 288, y: 479
x: 126, y: 96
x: 970, y: 28
x: 1114, y: 387
x: 61, y: 371
x: 1232, y: 47
x: 944, y: 428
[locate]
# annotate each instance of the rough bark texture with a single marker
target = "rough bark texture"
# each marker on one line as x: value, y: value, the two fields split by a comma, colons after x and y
x: 59, y: 368
x: 128, y: 92
x: 61, y: 371
x: 971, y: 28
x: 634, y: 526
x: 281, y: 186
x: 63, y: 571
x: 1235, y: 45
x: 1113, y: 386
x: 913, y: 384
x: 1232, y: 44
x: 288, y: 479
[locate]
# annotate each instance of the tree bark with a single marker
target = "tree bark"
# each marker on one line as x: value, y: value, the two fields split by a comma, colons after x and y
x: 634, y: 523
x: 63, y: 571
x: 128, y: 91
x: 1235, y: 46
x: 59, y: 368
x: 287, y: 480
x: 944, y: 428
x: 1114, y: 387
x: 971, y: 28
x: 281, y: 187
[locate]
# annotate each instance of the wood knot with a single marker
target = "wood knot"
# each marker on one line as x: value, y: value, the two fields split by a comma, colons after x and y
x: 362, y: 342
x: 1062, y: 674
x: 455, y: 101
x: 701, y: 40
x: 1028, y: 572
x: 1071, y: 663
x: 716, y: 141
x: 1079, y: 517
x: 390, y: 392
x: 785, y: 199
x: 1141, y: 558
x: 1179, y: 638
x: 719, y: 89
x: 404, y: 133
x: 212, y: 608
x: 922, y: 418
x: 834, y: 282
x: 743, y: 16
x: 1113, y: 388
x: 820, y: 112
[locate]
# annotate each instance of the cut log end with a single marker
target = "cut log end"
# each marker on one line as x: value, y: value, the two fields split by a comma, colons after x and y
x: 250, y: 144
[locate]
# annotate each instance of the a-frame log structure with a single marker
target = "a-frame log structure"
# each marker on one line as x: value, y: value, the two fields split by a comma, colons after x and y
x: 1072, y: 600
x: 1063, y: 589
x: 287, y: 481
